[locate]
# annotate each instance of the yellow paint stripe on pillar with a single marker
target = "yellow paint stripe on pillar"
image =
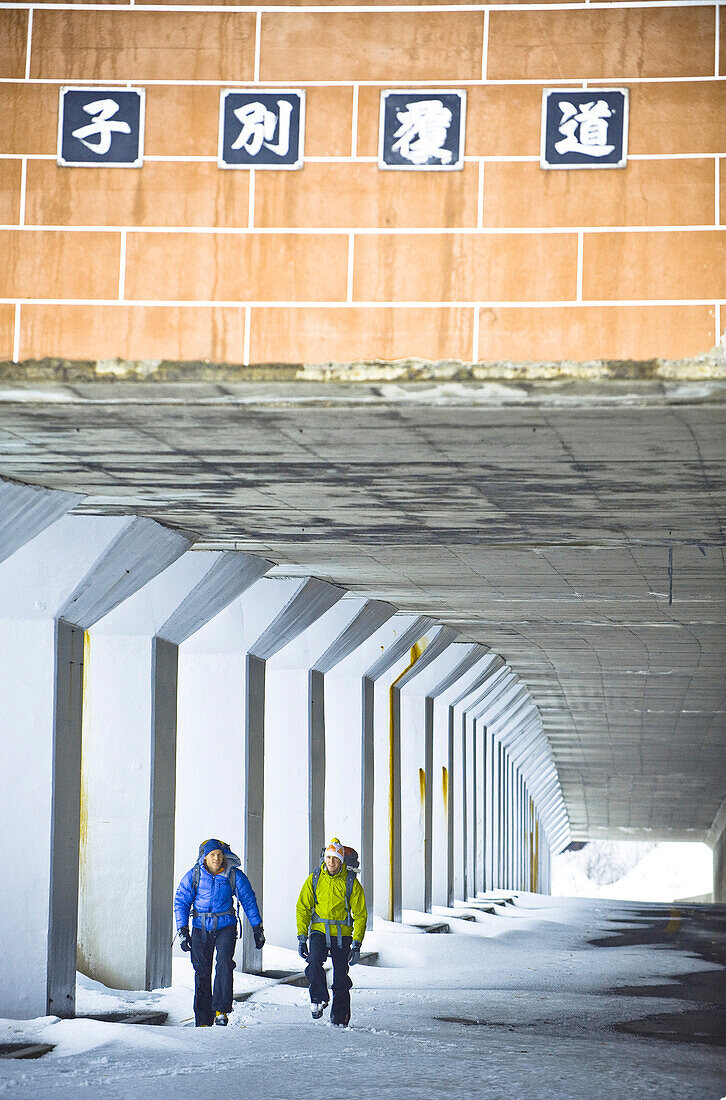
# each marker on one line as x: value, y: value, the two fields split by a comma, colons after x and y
x: 674, y: 923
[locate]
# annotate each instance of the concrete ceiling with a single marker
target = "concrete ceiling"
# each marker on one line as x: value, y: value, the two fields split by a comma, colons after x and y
x: 574, y: 527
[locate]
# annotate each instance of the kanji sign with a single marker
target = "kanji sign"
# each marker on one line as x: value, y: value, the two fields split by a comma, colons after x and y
x: 101, y: 126
x: 261, y: 129
x: 584, y: 128
x: 422, y: 130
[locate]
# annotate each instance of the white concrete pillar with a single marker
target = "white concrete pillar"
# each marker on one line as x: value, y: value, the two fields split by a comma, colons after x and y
x: 480, y: 789
x: 408, y: 758
x: 443, y: 663
x: 311, y: 600
x: 381, y: 729
x: 349, y: 731
x: 440, y: 700
x: 129, y: 765
x: 336, y: 730
x: 295, y: 732
x: 51, y: 590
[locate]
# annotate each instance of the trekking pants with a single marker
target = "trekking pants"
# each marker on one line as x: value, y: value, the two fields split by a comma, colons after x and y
x: 204, y: 944
x: 342, y: 985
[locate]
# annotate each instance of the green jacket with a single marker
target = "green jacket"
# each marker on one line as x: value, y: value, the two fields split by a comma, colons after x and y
x: 331, y: 905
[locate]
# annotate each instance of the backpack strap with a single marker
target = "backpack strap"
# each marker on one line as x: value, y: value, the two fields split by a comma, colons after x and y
x: 231, y: 911
x: 315, y: 917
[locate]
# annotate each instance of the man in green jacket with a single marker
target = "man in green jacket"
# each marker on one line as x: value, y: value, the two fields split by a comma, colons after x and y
x: 332, y: 907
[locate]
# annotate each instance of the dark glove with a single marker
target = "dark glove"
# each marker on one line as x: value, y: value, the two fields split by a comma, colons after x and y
x: 354, y: 953
x: 302, y: 946
x: 184, y: 941
x: 259, y: 933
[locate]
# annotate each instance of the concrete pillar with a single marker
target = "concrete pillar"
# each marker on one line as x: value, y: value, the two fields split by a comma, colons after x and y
x: 441, y: 700
x: 348, y: 777
x: 349, y: 730
x: 412, y: 846
x: 297, y: 692
x: 480, y: 788
x: 381, y: 730
x: 716, y: 838
x: 129, y: 765
x: 52, y: 589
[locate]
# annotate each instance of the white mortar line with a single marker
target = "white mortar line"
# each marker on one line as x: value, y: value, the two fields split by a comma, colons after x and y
x: 16, y: 334
x: 23, y: 188
x: 717, y: 45
x: 365, y: 231
x: 122, y: 267
x: 351, y: 253
x: 475, y: 82
x: 378, y: 9
x: 717, y: 191
x: 480, y: 197
x: 717, y: 323
x: 485, y: 45
x: 341, y: 303
x: 354, y: 133
x: 248, y: 325
x: 251, y: 201
x: 28, y: 43
x: 475, y: 336
x: 580, y: 241
x: 258, y: 34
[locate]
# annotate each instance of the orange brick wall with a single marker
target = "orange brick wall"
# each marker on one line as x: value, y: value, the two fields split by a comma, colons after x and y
x: 342, y: 261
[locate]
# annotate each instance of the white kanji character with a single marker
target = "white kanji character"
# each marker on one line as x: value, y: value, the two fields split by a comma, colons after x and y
x: 259, y: 125
x: 422, y: 133
x: 586, y: 129
x: 100, y: 126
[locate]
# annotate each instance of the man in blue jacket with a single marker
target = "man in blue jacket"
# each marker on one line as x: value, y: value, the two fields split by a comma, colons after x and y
x: 208, y: 891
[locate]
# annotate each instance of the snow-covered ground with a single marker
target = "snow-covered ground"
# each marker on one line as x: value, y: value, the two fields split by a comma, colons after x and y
x: 633, y: 871
x: 516, y: 1004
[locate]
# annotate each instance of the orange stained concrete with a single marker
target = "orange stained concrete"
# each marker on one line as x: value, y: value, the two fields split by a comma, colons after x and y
x: 236, y: 267
x: 13, y: 40
x: 654, y: 265
x: 595, y: 332
x: 601, y: 43
x: 318, y: 334
x: 341, y: 195
x: 722, y: 191
x: 159, y: 194
x: 10, y: 171
x: 142, y: 45
x: 25, y: 102
x: 677, y: 117
x: 7, y: 330
x: 132, y: 332
x: 466, y: 267
x: 395, y: 46
x: 183, y: 121
x: 47, y: 264
x: 722, y: 46
x: 650, y: 192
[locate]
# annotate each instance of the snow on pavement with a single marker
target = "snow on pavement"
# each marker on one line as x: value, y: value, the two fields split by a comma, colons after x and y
x: 530, y: 1007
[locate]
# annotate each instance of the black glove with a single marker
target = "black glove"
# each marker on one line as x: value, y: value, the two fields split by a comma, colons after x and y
x: 259, y: 933
x: 184, y: 941
x: 302, y: 946
x: 354, y: 953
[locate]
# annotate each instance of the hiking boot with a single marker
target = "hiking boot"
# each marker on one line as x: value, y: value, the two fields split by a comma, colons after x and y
x: 318, y: 1009
x: 220, y: 1018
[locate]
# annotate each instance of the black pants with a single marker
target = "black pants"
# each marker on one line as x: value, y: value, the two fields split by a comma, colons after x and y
x: 342, y: 985
x: 204, y: 944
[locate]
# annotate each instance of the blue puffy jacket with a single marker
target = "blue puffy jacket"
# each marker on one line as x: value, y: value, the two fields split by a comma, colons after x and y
x: 212, y: 905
